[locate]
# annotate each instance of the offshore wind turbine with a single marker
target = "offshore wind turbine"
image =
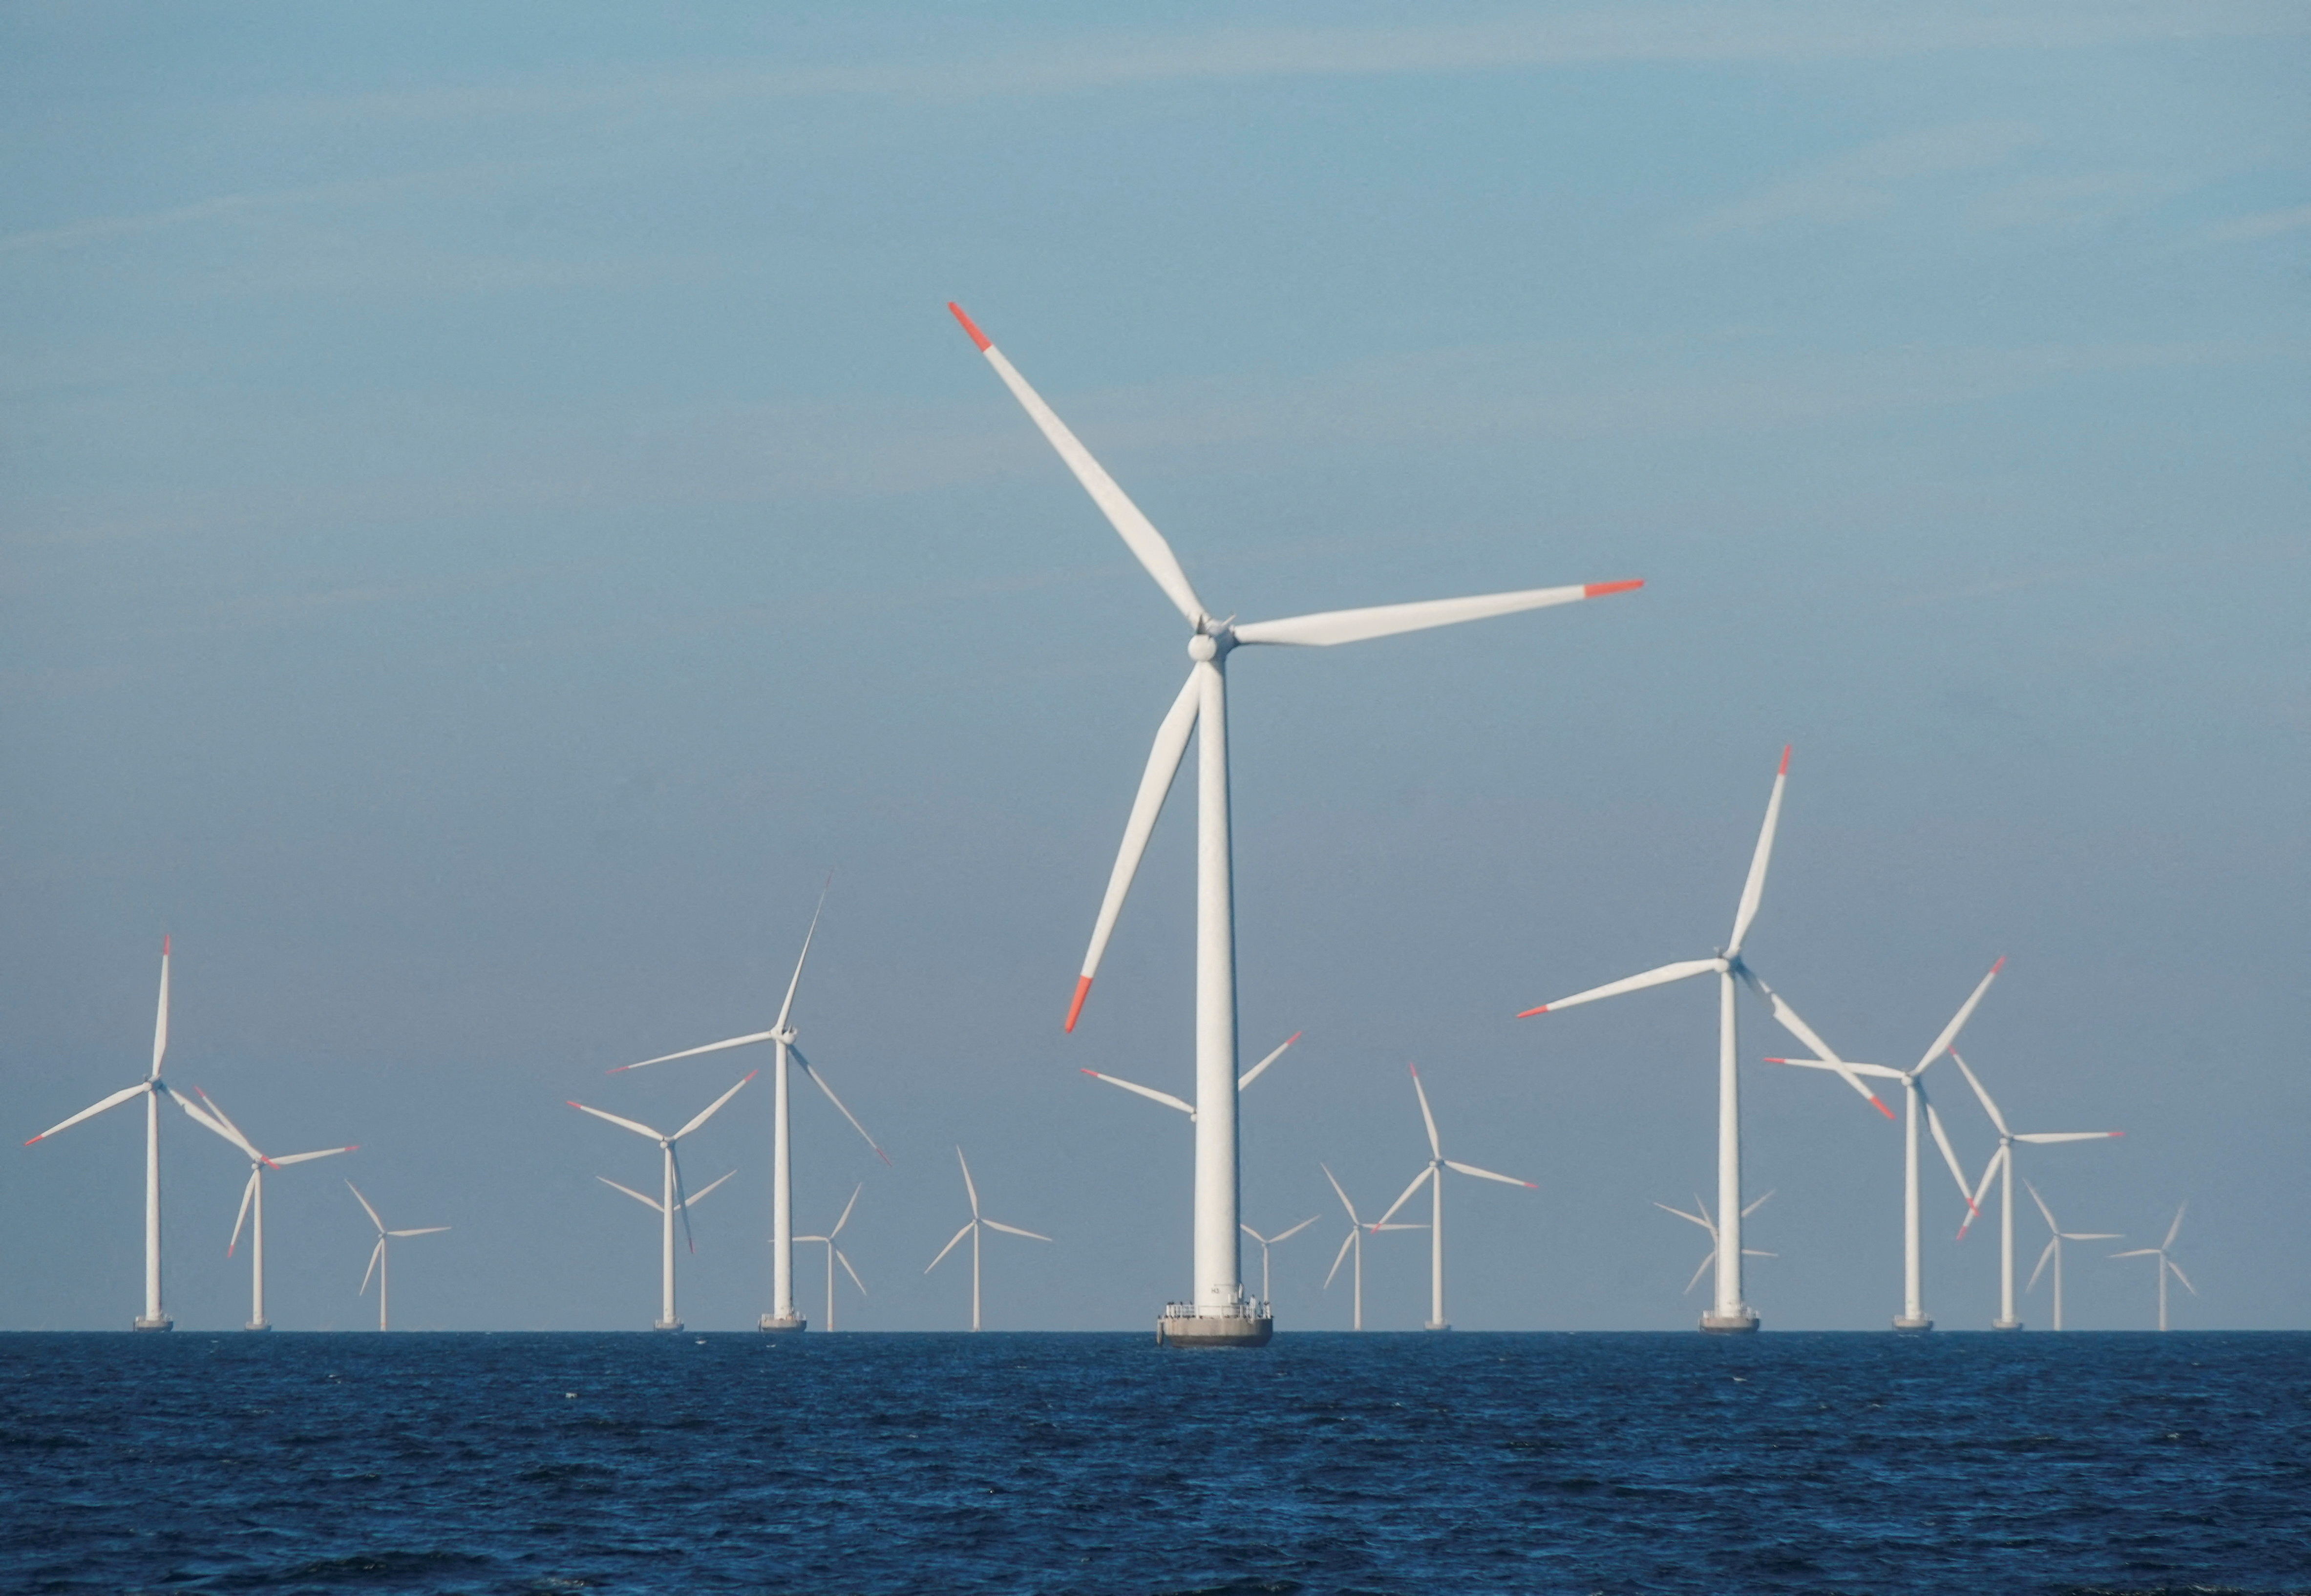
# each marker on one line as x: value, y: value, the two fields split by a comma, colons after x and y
x: 971, y: 1230
x: 782, y: 1315
x: 2167, y: 1265
x: 1732, y: 1311
x: 1917, y: 1105
x: 380, y: 1264
x: 1353, y: 1241
x: 1432, y: 1176
x: 1266, y: 1242
x: 151, y: 1089
x: 2054, y: 1249
x: 833, y: 1252
x: 1216, y: 1312
x: 1708, y: 1224
x: 252, y: 1195
x: 2002, y: 1164
x: 675, y: 1201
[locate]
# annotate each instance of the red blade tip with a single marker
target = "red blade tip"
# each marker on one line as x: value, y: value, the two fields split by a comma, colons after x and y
x: 1785, y: 761
x: 1529, y: 1013
x: 971, y: 326
x: 1093, y: 1073
x: 1880, y: 1107
x: 164, y: 945
x: 1599, y: 590
x: 1083, y: 983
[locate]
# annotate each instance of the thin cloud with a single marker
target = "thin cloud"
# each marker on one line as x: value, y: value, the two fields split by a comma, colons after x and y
x: 1868, y: 181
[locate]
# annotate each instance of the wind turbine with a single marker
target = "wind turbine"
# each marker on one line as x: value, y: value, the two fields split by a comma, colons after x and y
x: 1917, y: 1105
x: 835, y: 1253
x: 2166, y: 1265
x: 973, y: 1230
x: 1703, y: 1220
x: 1354, y: 1239
x: 1216, y: 1312
x: 1266, y: 1242
x: 2054, y: 1249
x: 1434, y: 1176
x: 2002, y: 1161
x: 378, y: 1263
x: 782, y: 1315
x: 1732, y: 1310
x: 674, y: 1199
x: 252, y: 1196
x: 149, y: 1088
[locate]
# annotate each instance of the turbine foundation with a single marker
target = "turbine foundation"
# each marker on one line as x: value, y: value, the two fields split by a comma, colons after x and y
x: 155, y: 1324
x: 1913, y: 1325
x: 771, y: 1321
x: 1436, y: 1324
x: 257, y: 1325
x: 1729, y: 1324
x: 2006, y: 1324
x: 1184, y: 1324
x: 667, y: 1324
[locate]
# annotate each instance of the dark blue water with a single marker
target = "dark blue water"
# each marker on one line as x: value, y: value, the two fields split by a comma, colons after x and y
x: 1100, y: 1463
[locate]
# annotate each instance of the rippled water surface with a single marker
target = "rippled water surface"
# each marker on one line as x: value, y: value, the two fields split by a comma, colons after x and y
x: 1405, y: 1463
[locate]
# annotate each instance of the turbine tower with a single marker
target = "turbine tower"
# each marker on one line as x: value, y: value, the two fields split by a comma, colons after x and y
x: 1706, y: 1222
x: 2054, y: 1249
x: 1218, y: 1313
x: 1433, y: 1177
x: 2167, y: 1265
x: 675, y: 1201
x: 835, y: 1254
x: 971, y: 1230
x: 252, y: 1196
x: 380, y: 1263
x: 1732, y: 1311
x: 151, y: 1089
x: 1915, y: 1106
x: 782, y: 1315
x: 2002, y: 1163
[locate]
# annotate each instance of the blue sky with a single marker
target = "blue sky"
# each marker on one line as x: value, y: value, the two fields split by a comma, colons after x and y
x: 496, y: 510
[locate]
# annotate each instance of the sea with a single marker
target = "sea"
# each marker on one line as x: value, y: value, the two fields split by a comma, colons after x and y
x: 1404, y: 1463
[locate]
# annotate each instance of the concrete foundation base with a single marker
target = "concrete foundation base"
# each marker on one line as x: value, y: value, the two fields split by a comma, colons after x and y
x: 1214, y: 1331
x: 257, y: 1324
x: 1737, y: 1324
x: 156, y: 1323
x: 1913, y: 1325
x: 1436, y: 1324
x: 667, y: 1324
x: 2006, y: 1324
x: 773, y: 1322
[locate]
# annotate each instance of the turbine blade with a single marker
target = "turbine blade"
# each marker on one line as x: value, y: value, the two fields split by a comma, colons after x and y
x: 1418, y: 1181
x: 2051, y: 1242
x: 1760, y: 1203
x: 2184, y: 1278
x: 1328, y: 627
x: 1689, y: 1218
x: 247, y: 1193
x: 1754, y: 1252
x: 1155, y: 785
x: 786, y: 1009
x: 1251, y: 1075
x: 289, y: 1158
x: 1634, y: 983
x: 847, y: 1269
x: 969, y: 1187
x: 1340, y: 1194
x: 428, y: 1230
x: 1427, y: 1118
x: 651, y: 1203
x: 1139, y: 535
x: 1701, y: 1269
x: 820, y: 1081
x: 375, y: 1254
x: 2175, y: 1229
x: 680, y: 1199
x: 211, y: 1122
x: 1487, y: 1174
x: 1942, y: 1140
x: 161, y: 1017
x: 1149, y: 1093
x: 943, y: 1251
x: 2043, y: 1208
x: 114, y: 1101
x: 636, y: 1126
x: 372, y: 1212
x: 1791, y: 1022
x: 1296, y: 1230
x: 2137, y: 1252
x: 711, y: 1109
x: 1988, y: 1107
x: 1989, y: 1174
x: 1014, y: 1230
x: 847, y: 1207
x: 1347, y: 1241
x: 1958, y: 1020
x: 233, y: 1133
x: 1753, y: 889
x: 699, y: 1196
x: 2053, y: 1136
x: 1879, y: 1071
x: 691, y: 1052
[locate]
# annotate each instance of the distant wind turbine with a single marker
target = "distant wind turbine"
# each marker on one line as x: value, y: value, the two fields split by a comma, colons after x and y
x: 252, y: 1196
x: 1266, y: 1242
x: 2167, y: 1265
x: 1216, y: 1313
x: 1732, y: 1311
x: 2054, y: 1249
x: 971, y: 1230
x: 380, y: 1264
x: 835, y: 1253
x: 2002, y: 1164
x: 1708, y: 1224
x: 1432, y: 1176
x: 1353, y: 1241
x: 675, y: 1201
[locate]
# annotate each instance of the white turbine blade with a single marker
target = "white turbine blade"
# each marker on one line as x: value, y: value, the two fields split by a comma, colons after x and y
x: 1758, y: 1204
x: 1752, y: 890
x: 820, y: 1082
x: 1988, y: 1107
x: 1378, y: 1228
x: 699, y: 1196
x: 691, y: 1052
x: 1701, y: 1269
x: 2043, y: 1208
x: 1254, y: 1234
x: 1251, y: 1075
x: 1347, y: 1241
x: 1296, y: 1230
x: 681, y: 1198
x: 1149, y: 1093
x: 375, y: 1254
x: 786, y: 1009
x: 847, y: 1269
x: 2175, y: 1229
x: 2184, y: 1278
x: 651, y: 1203
x: 1328, y: 627
x: 118, y: 1098
x: 2094, y: 1235
x: 711, y: 1109
x: 1014, y: 1230
x: 372, y: 1212
x: 971, y: 1190
x: 1755, y: 1253
x: 1340, y: 1194
x: 1989, y: 1174
x: 2051, y: 1242
x: 1958, y: 1020
x: 959, y: 1235
x: 1487, y: 1174
x: 847, y: 1207
x: 232, y: 1132
x: 160, y: 1017
x: 2137, y: 1252
x: 1878, y: 1070
x: 1427, y: 1118
x: 636, y: 1126
x: 2050, y: 1135
x: 1791, y: 1022
x: 287, y: 1158
x: 1146, y: 805
x: 428, y: 1230
x: 247, y: 1193
x: 1138, y: 534
x: 1634, y: 983
x: 1949, y: 1155
x: 1689, y: 1218
x: 806, y: 1238
x: 1418, y: 1180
